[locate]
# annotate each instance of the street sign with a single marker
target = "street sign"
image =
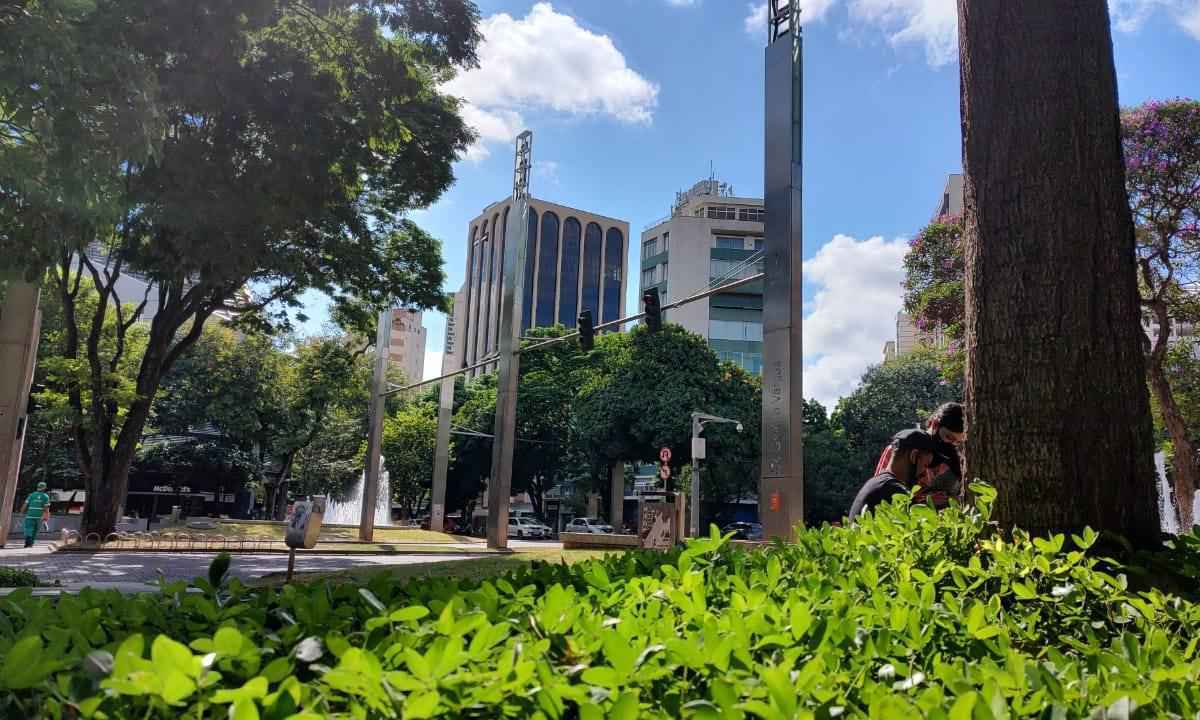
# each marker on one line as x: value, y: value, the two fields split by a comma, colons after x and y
x: 698, y: 448
x: 664, y: 472
x: 665, y: 455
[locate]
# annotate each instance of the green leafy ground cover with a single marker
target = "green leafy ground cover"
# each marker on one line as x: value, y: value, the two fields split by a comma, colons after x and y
x: 908, y: 615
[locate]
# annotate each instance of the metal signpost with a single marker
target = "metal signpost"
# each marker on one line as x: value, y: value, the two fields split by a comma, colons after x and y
x: 500, y: 484
x: 370, y: 495
x: 781, y: 487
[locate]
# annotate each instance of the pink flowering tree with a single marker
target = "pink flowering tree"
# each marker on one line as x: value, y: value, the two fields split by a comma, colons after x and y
x: 1162, y: 174
x: 933, y: 289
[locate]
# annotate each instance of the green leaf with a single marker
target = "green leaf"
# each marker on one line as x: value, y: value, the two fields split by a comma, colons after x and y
x: 167, y: 654
x: 228, y: 642
x: 176, y: 687
x: 22, y: 665
x: 605, y: 677
x: 421, y: 705
x: 626, y: 707
x: 409, y: 614
x: 963, y: 706
x: 243, y: 710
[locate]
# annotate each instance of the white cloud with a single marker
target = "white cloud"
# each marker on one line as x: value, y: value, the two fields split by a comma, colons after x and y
x: 810, y: 10
x: 546, y: 170
x: 1189, y: 20
x: 852, y: 313
x: 547, y: 62
x: 933, y: 23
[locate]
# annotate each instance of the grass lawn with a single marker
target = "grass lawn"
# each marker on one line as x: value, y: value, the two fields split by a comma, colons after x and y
x: 475, y: 568
x: 275, y: 531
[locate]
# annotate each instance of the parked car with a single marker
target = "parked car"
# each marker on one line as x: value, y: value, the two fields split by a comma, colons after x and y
x: 522, y: 528
x: 588, y: 525
x: 744, y: 530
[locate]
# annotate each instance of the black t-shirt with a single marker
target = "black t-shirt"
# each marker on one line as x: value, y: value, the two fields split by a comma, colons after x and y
x: 878, y: 489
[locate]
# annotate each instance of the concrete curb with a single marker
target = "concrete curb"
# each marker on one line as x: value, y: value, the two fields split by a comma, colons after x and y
x: 431, y: 551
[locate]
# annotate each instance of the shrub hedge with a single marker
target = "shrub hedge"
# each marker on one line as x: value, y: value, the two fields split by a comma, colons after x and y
x: 17, y: 577
x: 910, y: 614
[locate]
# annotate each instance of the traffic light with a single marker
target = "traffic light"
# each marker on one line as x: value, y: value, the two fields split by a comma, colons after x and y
x: 587, y: 333
x: 653, y: 310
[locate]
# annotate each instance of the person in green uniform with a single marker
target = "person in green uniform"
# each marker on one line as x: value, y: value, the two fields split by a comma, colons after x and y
x: 36, y: 508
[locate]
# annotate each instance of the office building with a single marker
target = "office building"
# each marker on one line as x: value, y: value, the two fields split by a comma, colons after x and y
x: 452, y: 350
x: 709, y: 236
x: 574, y: 261
x: 406, y: 347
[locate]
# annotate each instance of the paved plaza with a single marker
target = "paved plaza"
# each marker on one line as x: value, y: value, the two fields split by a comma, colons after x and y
x: 128, y: 570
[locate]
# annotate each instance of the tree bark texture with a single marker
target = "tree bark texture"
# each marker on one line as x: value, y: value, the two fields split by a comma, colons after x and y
x: 1055, y: 393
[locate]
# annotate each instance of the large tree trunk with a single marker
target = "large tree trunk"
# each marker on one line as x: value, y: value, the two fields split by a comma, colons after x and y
x: 1056, y: 394
x: 1185, y: 462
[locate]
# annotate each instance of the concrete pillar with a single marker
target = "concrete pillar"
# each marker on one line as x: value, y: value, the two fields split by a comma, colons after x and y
x: 378, y: 406
x: 20, y: 321
x: 617, y: 496
x: 781, y: 486
x: 441, y: 460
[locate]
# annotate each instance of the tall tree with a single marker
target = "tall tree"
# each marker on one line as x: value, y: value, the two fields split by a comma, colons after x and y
x: 1055, y: 374
x: 409, y: 444
x: 1162, y: 174
x: 210, y: 146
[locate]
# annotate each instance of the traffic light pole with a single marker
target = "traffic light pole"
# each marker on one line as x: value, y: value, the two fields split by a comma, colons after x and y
x: 781, y: 487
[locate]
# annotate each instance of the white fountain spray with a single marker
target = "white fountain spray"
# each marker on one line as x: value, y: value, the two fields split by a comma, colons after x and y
x: 349, y: 512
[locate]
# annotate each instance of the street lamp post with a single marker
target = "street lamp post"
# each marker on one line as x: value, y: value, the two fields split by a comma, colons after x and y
x: 698, y: 422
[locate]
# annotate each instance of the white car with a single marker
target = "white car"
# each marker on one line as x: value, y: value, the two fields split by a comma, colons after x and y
x: 588, y: 525
x: 522, y: 528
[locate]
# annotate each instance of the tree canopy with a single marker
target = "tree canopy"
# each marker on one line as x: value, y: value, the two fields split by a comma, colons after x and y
x: 214, y: 147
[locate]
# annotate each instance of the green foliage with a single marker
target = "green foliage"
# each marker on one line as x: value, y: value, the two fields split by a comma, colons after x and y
x: 17, y: 577
x: 409, y: 447
x: 642, y: 393
x: 292, y: 166
x: 908, y: 614
x: 934, y: 273
x: 893, y: 396
x: 832, y: 471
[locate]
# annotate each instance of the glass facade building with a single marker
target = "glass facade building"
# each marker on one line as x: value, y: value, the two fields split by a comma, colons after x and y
x: 574, y: 261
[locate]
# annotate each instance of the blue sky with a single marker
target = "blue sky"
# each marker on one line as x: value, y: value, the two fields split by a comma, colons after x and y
x: 631, y: 100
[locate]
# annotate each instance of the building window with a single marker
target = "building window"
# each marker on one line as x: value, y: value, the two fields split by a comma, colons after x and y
x: 614, y: 255
x: 721, y: 212
x: 650, y: 248
x: 568, y: 292
x: 732, y: 269
x: 494, y: 341
x: 648, y: 276
x: 758, y: 244
x: 734, y: 330
x: 730, y: 243
x: 666, y: 241
x: 593, y: 249
x: 547, y: 270
x: 751, y: 214
x: 527, y: 292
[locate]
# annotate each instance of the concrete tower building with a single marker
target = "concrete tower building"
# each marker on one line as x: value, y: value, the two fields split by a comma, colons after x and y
x: 710, y: 234
x: 575, y: 261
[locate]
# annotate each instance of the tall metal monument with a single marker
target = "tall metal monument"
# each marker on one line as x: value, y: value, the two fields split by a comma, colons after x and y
x: 441, y: 460
x: 781, y: 487
x: 370, y: 494
x: 500, y: 483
